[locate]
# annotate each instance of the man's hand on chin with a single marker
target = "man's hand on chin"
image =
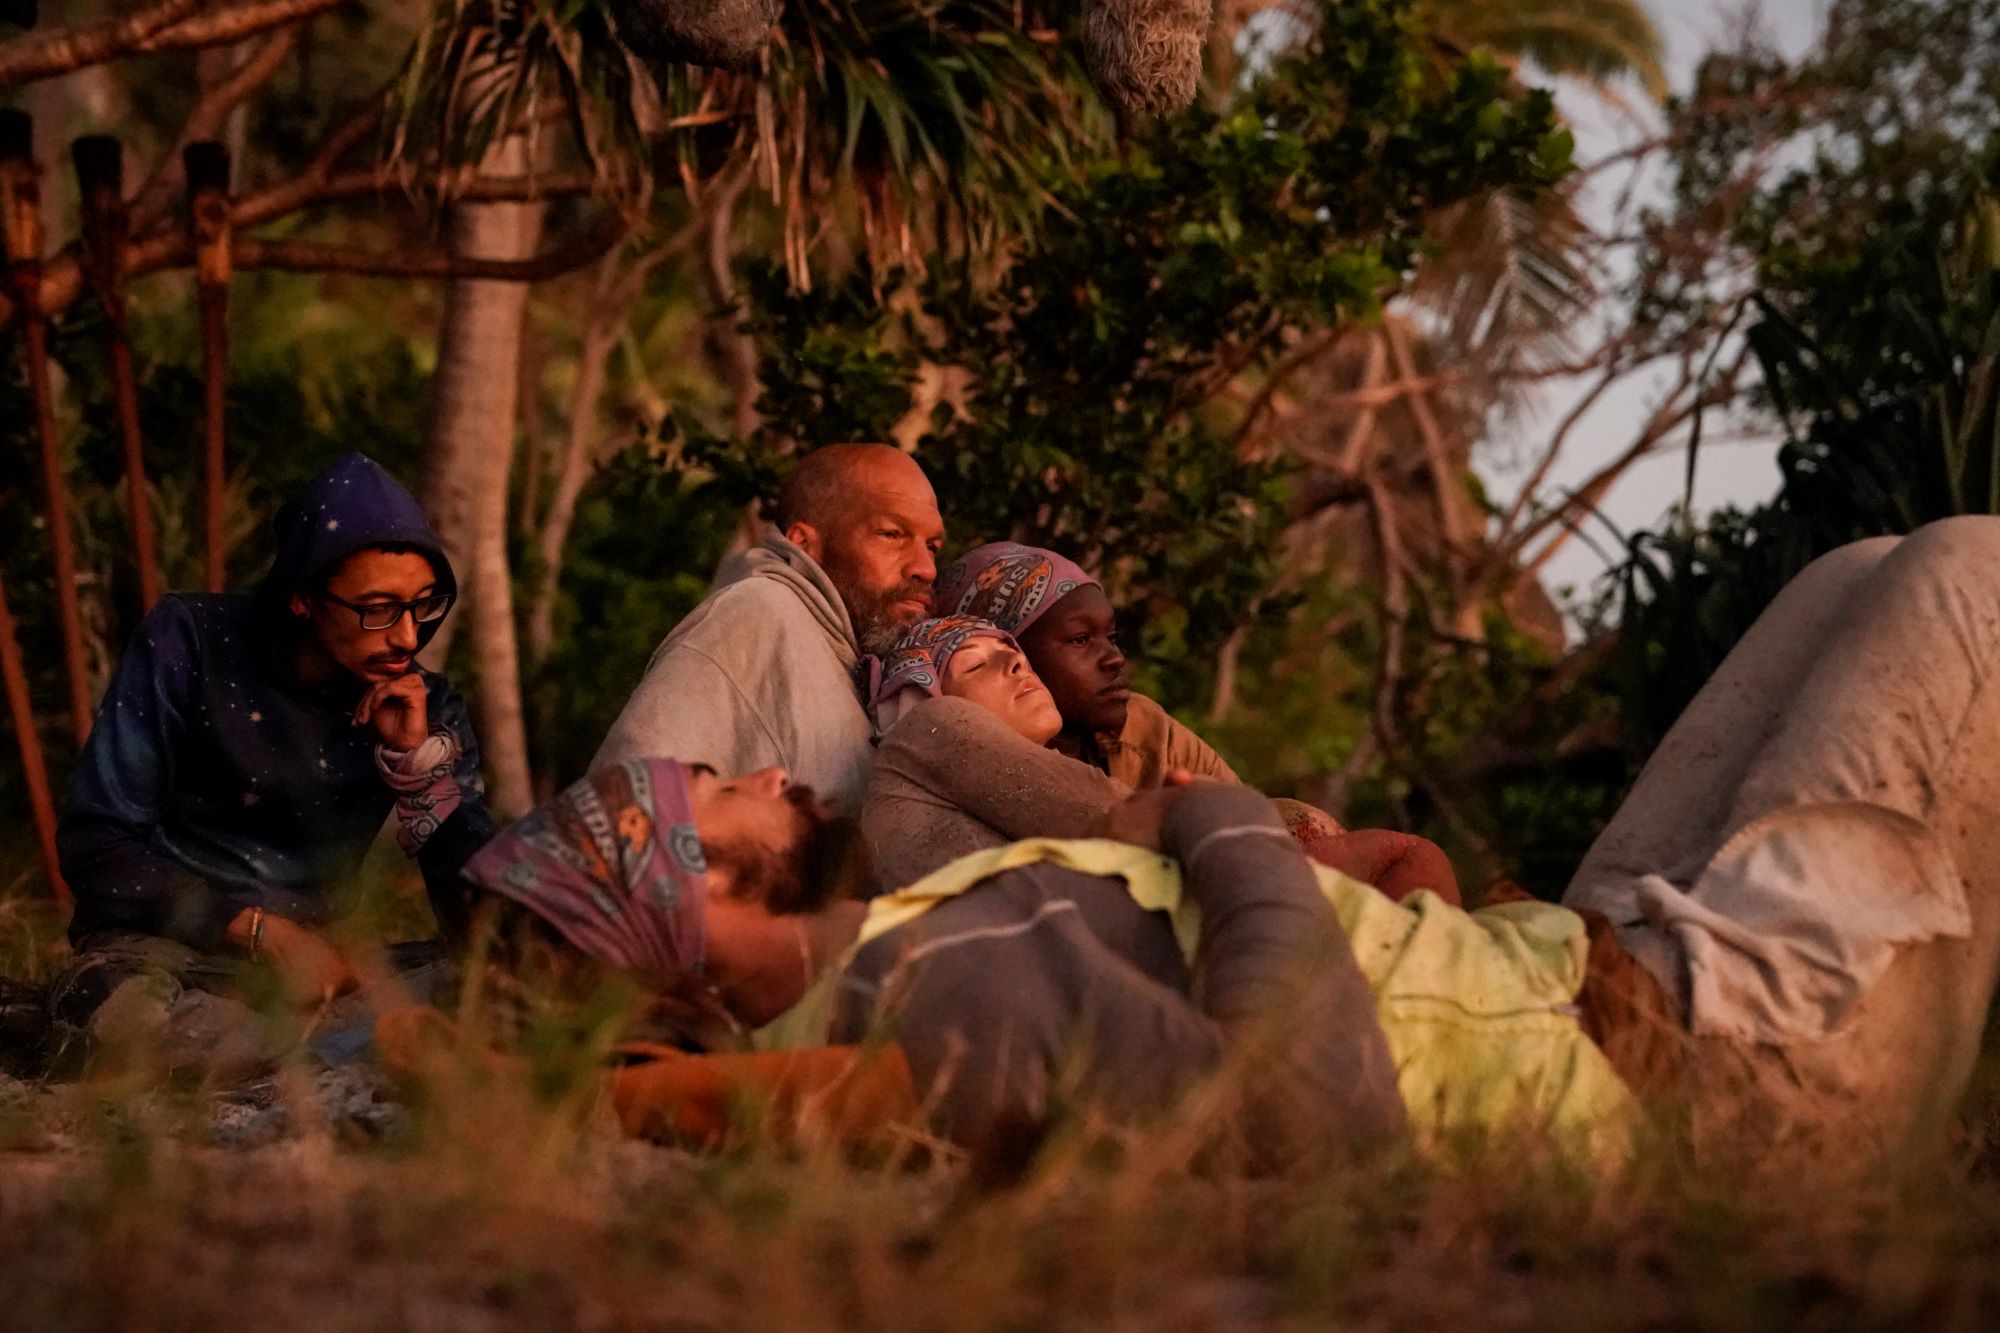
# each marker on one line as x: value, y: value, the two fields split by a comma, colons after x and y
x: 398, y: 709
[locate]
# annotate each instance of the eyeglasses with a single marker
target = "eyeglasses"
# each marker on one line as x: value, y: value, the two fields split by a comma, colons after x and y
x: 384, y: 615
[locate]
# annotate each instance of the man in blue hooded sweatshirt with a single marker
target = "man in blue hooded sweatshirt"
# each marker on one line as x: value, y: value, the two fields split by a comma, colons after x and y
x: 245, y: 756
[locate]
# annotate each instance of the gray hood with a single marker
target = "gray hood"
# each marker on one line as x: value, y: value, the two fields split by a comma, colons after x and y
x: 777, y: 558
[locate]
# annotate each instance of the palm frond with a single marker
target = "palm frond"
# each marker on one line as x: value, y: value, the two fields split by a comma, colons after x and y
x: 482, y: 71
x: 1505, y: 283
x: 1598, y: 40
x: 958, y: 108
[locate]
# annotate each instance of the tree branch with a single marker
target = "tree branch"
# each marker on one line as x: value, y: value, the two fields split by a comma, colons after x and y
x: 1354, y: 450
x: 1664, y: 421
x: 1444, y: 480
x: 169, y: 25
x: 43, y: 55
x: 314, y: 257
x: 303, y: 189
x: 1578, y: 410
x: 62, y: 276
x: 1277, y: 377
x: 254, y: 210
x: 233, y: 25
x: 155, y: 198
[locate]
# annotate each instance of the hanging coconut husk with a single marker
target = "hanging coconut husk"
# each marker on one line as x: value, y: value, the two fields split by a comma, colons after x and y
x: 1146, y: 54
x: 725, y: 34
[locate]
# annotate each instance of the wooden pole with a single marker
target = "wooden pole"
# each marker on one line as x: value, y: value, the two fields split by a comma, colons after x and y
x: 207, y: 164
x: 32, y: 769
x: 100, y: 180
x: 21, y: 204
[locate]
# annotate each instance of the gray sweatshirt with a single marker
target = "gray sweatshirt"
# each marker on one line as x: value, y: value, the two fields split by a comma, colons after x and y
x: 951, y: 778
x: 761, y: 673
x: 1043, y: 985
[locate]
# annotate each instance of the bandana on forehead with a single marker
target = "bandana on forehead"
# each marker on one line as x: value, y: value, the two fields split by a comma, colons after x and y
x: 1008, y: 584
x: 919, y: 659
x: 614, y: 864
x: 915, y: 667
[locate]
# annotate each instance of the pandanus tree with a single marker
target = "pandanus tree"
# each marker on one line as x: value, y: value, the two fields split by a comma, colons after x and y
x: 923, y: 126
x: 1144, y: 54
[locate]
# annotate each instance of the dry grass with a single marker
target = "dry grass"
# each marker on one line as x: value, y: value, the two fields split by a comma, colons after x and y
x: 507, y: 1203
x: 143, y: 1228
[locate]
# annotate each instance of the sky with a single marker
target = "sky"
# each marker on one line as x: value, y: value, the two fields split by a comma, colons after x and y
x: 1736, y: 473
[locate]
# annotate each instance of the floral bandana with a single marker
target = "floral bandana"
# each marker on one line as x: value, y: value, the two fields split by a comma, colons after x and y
x: 615, y: 865
x: 1008, y: 584
x: 426, y: 791
x: 914, y: 669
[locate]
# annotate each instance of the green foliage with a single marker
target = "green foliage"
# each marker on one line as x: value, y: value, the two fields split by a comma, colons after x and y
x: 1080, y: 404
x: 1070, y: 346
x: 479, y: 67
x: 1503, y: 753
x: 901, y: 108
x: 963, y: 104
x: 1892, y: 425
x: 644, y: 542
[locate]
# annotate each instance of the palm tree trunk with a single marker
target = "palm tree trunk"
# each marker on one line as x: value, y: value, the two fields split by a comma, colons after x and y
x: 469, y: 457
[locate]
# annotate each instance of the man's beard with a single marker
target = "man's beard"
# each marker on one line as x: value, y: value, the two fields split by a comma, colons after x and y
x: 874, y: 613
x: 876, y: 627
x: 823, y: 862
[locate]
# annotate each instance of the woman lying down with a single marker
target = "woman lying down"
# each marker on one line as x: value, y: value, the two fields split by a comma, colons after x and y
x: 1135, y: 948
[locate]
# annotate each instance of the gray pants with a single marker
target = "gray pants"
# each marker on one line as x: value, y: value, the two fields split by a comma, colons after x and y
x: 1810, y: 863
x: 138, y: 1001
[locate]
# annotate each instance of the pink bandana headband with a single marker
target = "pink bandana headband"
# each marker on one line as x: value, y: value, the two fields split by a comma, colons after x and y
x: 615, y: 865
x: 914, y: 669
x: 1008, y: 584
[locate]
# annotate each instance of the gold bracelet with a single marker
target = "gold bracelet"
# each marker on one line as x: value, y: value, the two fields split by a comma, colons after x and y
x: 256, y: 932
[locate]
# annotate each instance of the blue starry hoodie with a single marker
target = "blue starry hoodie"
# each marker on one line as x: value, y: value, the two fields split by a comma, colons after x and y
x: 215, y: 781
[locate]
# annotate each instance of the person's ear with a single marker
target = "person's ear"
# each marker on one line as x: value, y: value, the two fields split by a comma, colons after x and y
x: 807, y: 538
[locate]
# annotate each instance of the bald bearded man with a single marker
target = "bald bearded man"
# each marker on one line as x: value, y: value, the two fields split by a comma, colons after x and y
x: 764, y: 672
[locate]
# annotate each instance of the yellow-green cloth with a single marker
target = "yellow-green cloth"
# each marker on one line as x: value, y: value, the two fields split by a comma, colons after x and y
x: 1478, y: 1007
